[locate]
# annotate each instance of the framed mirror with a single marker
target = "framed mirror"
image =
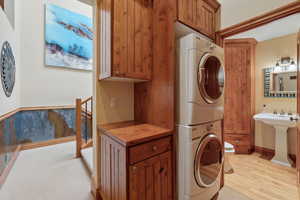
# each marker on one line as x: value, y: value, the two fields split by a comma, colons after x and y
x: 280, y: 82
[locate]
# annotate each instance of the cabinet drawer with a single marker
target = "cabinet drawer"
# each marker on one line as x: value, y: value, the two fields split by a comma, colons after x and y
x: 238, y: 139
x: 147, y: 150
x: 241, y: 143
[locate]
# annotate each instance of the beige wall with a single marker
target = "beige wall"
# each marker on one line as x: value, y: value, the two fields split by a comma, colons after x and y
x: 267, y: 53
x: 235, y: 11
x: 42, y: 85
x: 115, y: 102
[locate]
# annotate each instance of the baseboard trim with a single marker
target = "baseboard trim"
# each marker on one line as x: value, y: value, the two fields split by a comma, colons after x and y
x: 47, y: 143
x: 95, y: 191
x: 9, y: 114
x: 46, y: 108
x: 269, y: 153
x: 10, y: 165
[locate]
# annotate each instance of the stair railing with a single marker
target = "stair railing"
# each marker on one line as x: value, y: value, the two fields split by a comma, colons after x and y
x: 84, y: 126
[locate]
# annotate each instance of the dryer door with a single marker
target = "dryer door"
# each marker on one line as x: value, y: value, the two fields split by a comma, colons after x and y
x: 208, y: 161
x: 211, y: 78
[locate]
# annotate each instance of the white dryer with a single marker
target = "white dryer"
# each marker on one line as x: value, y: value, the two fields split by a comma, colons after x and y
x: 200, y: 79
x: 200, y: 161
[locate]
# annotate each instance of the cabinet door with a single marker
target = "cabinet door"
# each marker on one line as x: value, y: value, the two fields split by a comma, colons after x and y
x: 186, y: 12
x: 197, y: 14
x: 151, y: 179
x: 237, y: 115
x: 140, y: 39
x: 205, y: 18
x: 132, y: 39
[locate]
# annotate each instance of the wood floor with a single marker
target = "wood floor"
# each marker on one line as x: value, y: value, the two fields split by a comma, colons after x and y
x: 260, y: 179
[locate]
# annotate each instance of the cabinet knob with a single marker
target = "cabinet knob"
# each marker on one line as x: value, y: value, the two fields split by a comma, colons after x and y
x: 134, y: 168
x: 161, y: 170
x: 154, y: 148
x: 209, y: 127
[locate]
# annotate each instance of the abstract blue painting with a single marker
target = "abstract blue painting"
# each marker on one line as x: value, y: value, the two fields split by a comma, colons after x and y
x: 68, y: 39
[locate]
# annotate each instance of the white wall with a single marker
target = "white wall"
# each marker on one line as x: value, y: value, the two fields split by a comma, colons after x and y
x: 7, y: 33
x: 9, y: 6
x: 41, y: 85
x: 235, y: 11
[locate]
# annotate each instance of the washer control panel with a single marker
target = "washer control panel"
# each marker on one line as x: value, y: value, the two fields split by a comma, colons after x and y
x: 212, y: 127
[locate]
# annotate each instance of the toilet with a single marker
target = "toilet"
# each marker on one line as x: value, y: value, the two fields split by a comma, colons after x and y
x: 229, y: 148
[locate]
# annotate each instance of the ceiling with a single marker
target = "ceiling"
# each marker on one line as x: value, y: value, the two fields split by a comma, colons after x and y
x: 236, y: 11
x: 278, y: 28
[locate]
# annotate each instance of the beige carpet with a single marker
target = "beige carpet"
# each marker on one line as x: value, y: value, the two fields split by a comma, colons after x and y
x: 49, y: 173
x: 229, y: 194
x: 87, y: 155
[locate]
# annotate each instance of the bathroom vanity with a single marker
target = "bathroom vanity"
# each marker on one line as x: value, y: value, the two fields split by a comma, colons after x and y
x: 281, y: 124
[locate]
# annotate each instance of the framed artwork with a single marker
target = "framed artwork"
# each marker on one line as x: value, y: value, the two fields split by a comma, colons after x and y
x: 68, y: 39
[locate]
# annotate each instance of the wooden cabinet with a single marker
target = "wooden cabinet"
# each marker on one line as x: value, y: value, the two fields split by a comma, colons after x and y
x: 126, y: 39
x: 239, y: 94
x: 151, y: 179
x: 134, y: 169
x: 201, y: 15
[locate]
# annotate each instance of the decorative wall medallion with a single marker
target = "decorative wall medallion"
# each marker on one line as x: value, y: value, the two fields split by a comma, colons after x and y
x: 7, y: 69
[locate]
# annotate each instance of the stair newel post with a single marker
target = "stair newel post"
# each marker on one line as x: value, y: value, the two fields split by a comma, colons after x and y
x: 78, y: 128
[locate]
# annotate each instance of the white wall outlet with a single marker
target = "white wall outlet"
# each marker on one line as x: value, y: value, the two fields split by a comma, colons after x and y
x: 113, y: 102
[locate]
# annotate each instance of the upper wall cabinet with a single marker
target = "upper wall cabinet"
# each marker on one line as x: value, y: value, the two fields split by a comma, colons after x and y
x: 126, y: 39
x: 201, y: 15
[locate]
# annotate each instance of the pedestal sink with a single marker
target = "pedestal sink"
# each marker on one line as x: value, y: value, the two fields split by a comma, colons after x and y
x: 281, y: 123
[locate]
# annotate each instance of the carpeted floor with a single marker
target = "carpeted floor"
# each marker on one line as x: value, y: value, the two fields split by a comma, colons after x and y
x: 49, y: 173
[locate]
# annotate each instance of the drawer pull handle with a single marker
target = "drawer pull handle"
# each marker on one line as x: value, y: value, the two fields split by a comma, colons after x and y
x: 154, y: 148
x: 161, y: 170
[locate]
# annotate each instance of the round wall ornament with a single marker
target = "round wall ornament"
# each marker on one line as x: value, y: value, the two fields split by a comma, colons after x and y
x: 7, y: 69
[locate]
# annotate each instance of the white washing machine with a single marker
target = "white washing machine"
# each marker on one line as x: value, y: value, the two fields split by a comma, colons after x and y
x: 200, y: 81
x: 200, y: 161
x: 200, y: 108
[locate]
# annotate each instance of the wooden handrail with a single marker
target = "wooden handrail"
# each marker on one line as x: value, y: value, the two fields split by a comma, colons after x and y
x: 87, y: 100
x: 78, y: 128
x: 82, y: 111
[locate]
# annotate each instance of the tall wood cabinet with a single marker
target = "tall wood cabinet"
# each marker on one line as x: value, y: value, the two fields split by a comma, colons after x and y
x: 201, y: 15
x: 239, y: 94
x: 126, y: 39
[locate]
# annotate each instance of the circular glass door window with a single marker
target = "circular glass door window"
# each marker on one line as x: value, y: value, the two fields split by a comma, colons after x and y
x: 208, y: 161
x: 7, y: 69
x: 211, y: 78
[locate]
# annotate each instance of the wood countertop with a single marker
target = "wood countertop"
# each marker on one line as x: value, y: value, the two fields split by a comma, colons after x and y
x: 131, y: 133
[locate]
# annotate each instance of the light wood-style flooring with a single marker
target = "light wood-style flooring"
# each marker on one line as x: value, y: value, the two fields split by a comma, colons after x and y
x: 260, y: 179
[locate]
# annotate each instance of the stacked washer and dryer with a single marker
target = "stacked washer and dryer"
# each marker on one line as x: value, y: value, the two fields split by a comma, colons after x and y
x: 200, y: 100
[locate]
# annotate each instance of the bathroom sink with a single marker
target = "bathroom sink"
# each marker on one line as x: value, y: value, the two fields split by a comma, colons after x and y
x: 281, y: 123
x: 277, y: 119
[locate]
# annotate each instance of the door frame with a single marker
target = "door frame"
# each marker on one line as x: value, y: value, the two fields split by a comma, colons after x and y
x: 255, y: 22
x: 252, y: 23
x: 298, y: 107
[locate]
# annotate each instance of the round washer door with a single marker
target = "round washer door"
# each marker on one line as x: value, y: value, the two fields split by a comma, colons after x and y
x: 211, y: 78
x: 208, y: 161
